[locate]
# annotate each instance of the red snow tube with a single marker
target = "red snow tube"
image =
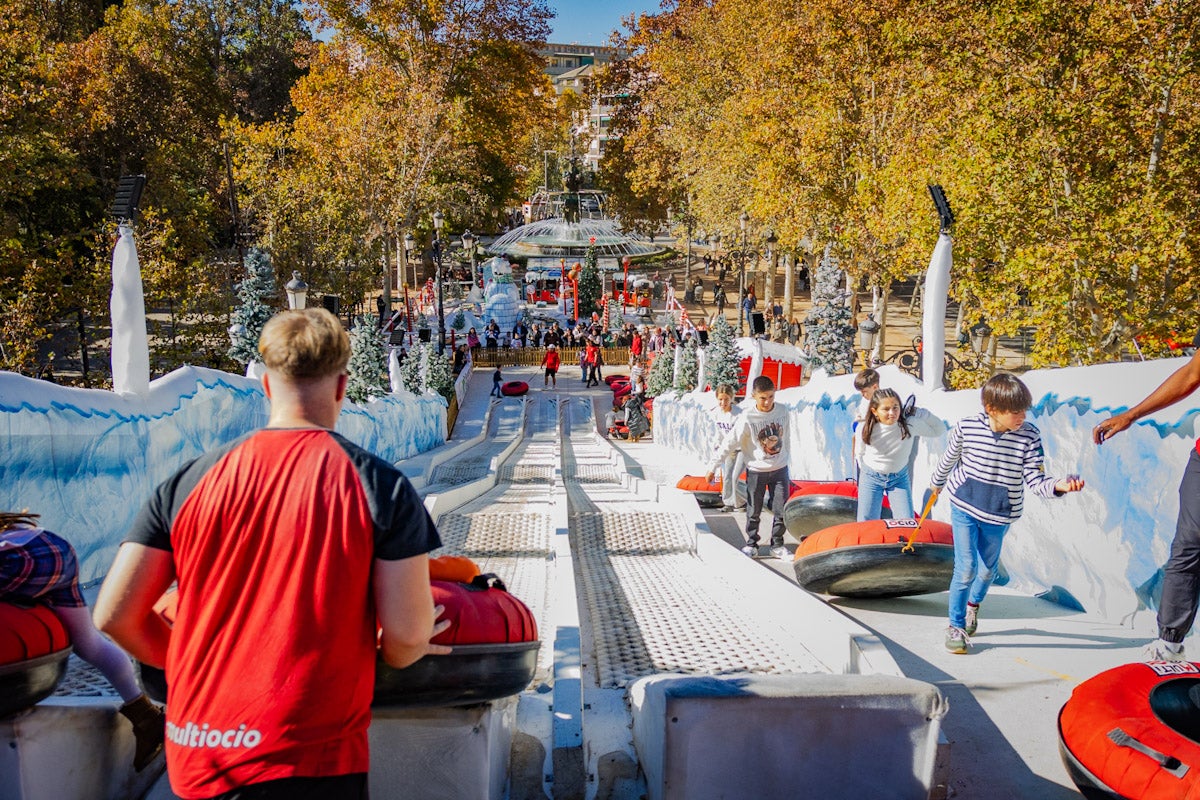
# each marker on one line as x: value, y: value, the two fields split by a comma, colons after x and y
x: 708, y: 495
x: 514, y: 388
x: 1134, y: 732
x: 877, y: 558
x: 611, y: 379
x: 621, y: 390
x: 33, y: 656
x: 494, y: 636
x: 816, y: 505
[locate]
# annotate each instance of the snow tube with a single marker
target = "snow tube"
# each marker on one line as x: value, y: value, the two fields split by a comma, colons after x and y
x: 816, y: 505
x: 514, y: 388
x: 1134, y: 732
x: 708, y: 495
x: 494, y: 637
x: 621, y: 390
x: 877, y: 558
x: 33, y: 656
x: 611, y: 379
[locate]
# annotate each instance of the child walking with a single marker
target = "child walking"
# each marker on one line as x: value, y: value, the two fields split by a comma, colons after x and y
x: 882, y: 448
x: 37, y: 566
x: 496, y: 379
x: 550, y: 363
x: 726, y: 415
x: 989, y: 459
x: 761, y: 434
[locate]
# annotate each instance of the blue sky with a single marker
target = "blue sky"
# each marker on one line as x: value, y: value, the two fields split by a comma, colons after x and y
x: 591, y: 21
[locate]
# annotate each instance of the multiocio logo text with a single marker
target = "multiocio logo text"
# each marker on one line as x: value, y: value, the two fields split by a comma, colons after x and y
x: 192, y: 735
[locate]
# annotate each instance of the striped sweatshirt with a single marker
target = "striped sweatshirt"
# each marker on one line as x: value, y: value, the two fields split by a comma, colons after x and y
x: 984, y: 470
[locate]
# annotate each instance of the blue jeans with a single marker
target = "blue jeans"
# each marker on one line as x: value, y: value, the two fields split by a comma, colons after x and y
x: 976, y: 554
x: 873, y: 485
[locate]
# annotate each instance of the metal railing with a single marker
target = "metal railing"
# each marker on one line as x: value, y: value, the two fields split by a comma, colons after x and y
x: 489, y: 357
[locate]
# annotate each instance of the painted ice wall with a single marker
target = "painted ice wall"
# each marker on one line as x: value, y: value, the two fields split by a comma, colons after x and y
x: 1105, y: 546
x: 86, y: 459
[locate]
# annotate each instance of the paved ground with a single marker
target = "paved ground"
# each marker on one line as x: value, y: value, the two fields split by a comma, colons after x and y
x: 1005, y: 695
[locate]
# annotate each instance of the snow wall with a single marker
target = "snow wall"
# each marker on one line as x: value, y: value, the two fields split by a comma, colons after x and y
x: 87, y: 459
x: 1102, y: 548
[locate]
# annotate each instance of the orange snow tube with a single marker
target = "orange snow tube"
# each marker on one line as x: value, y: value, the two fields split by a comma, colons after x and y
x: 1134, y: 732
x: 816, y: 505
x: 34, y: 648
x: 877, y: 558
x: 708, y: 495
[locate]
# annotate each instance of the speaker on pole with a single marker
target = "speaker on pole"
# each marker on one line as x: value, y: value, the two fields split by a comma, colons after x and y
x: 758, y: 323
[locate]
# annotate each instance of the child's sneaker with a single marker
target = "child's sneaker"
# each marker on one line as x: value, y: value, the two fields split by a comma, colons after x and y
x: 750, y: 550
x: 781, y: 552
x: 972, y: 623
x: 1160, y: 650
x: 957, y: 640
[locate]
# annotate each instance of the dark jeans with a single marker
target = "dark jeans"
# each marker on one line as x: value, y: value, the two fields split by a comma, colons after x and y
x: 339, y: 787
x: 1181, y: 577
x: 594, y: 375
x: 758, y: 484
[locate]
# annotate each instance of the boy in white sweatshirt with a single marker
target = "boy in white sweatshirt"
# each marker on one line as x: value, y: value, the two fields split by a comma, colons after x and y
x: 761, y: 433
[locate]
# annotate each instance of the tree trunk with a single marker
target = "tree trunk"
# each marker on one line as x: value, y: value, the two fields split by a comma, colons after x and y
x: 789, y: 266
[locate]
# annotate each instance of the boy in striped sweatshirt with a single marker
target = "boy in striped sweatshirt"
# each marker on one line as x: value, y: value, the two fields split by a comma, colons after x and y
x: 989, y: 459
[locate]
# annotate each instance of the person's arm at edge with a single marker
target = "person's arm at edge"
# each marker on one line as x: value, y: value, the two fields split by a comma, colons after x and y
x: 125, y: 606
x: 941, y: 473
x: 1181, y: 383
x: 728, y: 446
x: 407, y: 617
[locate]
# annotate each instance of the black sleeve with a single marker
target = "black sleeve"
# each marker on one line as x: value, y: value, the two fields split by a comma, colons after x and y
x: 403, y: 528
x: 152, y: 526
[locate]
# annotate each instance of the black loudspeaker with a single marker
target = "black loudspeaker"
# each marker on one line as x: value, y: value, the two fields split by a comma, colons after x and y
x: 703, y: 337
x: 424, y: 334
x: 758, y: 323
x: 332, y: 303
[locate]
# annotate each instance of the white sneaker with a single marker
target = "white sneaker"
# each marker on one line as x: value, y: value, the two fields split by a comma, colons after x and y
x: 781, y: 552
x: 1159, y: 650
x: 750, y: 550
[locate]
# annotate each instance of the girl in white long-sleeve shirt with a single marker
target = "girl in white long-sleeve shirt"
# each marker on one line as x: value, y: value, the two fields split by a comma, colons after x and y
x: 882, y: 448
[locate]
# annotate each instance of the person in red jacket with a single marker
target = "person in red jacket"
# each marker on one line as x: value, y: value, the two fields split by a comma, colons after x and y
x: 551, y: 363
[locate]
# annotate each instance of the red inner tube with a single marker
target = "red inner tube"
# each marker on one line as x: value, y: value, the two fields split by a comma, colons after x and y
x: 696, y: 483
x: 27, y: 633
x: 514, y: 388
x: 1154, y: 703
x: 876, y: 531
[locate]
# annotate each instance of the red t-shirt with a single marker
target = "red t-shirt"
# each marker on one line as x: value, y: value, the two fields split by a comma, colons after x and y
x: 271, y: 665
x: 551, y: 361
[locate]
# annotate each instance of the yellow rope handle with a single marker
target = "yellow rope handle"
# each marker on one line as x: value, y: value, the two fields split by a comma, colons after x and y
x: 908, y: 545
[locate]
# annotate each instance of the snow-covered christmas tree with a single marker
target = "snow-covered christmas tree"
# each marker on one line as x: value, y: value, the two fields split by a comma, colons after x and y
x: 368, y: 361
x: 459, y: 323
x: 589, y: 283
x: 412, y: 369
x: 689, y: 367
x: 721, y: 356
x: 830, y: 332
x: 257, y: 293
x: 439, y: 375
x: 662, y: 373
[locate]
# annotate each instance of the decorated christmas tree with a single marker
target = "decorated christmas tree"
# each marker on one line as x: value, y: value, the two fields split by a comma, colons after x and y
x: 662, y: 373
x: 830, y: 332
x: 439, y: 375
x: 257, y: 293
x: 721, y: 359
x: 412, y: 369
x: 368, y: 361
x: 459, y: 323
x: 589, y: 284
x: 689, y: 367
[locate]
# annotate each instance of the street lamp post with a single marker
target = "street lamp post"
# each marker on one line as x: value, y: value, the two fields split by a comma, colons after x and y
x: 439, y: 220
x: 410, y: 244
x: 297, y: 292
x: 744, y: 221
x: 868, y: 330
x: 773, y: 261
x: 625, y: 287
x: 468, y: 240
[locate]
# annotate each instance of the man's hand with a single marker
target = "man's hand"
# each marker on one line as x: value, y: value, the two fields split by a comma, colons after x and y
x: 1111, y: 426
x: 439, y: 625
x: 1071, y: 483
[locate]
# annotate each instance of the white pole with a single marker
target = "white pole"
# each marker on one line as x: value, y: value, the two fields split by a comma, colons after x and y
x: 130, y: 345
x: 933, y: 324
